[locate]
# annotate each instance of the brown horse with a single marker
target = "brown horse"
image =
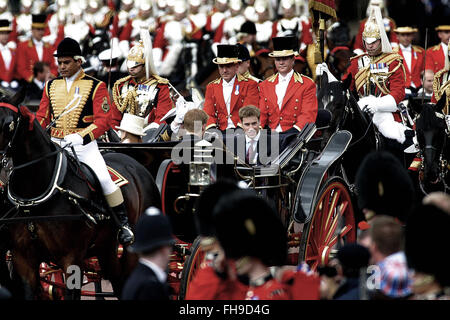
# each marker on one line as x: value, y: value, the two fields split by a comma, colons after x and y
x: 53, y: 199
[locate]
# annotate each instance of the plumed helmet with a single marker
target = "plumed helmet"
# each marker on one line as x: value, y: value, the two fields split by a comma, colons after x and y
x: 247, y: 225
x: 153, y: 230
x: 384, y: 186
x: 374, y: 30
x: 427, y: 242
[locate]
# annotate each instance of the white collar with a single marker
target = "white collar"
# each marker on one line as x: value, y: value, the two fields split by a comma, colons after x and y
x: 409, y: 48
x: 4, y: 47
x: 72, y: 78
x: 39, y: 83
x: 287, y: 77
x: 228, y: 84
x: 256, y: 138
x: 160, y: 273
x: 38, y: 43
x: 444, y: 46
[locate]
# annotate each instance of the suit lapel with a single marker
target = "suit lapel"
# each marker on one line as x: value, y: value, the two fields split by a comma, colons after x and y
x: 272, y: 93
x: 219, y: 94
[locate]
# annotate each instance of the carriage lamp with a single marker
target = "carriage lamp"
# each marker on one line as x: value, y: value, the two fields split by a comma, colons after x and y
x: 202, y: 171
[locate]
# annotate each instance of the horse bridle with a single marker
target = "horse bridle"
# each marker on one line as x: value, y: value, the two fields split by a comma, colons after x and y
x: 12, y: 126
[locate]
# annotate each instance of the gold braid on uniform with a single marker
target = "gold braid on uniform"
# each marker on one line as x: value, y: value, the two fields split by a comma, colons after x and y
x: 128, y: 103
x: 439, y: 89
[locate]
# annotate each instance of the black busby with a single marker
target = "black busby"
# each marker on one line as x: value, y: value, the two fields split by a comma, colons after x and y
x: 68, y: 47
x: 384, y: 186
x: 352, y: 258
x: 248, y: 27
x: 205, y: 204
x: 244, y: 55
x: 427, y: 242
x: 247, y: 225
x: 5, y: 25
x: 226, y: 53
x: 153, y: 230
x: 38, y: 21
x: 284, y: 47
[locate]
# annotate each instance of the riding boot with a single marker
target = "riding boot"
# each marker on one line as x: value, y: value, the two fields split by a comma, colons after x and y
x: 126, y: 236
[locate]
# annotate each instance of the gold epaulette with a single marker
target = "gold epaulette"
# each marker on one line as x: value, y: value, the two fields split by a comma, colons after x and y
x: 240, y: 77
x: 272, y: 77
x: 161, y: 79
x: 358, y: 56
x: 388, y: 58
x: 418, y: 48
x: 121, y: 80
x: 216, y: 81
x: 436, y: 47
x: 298, y: 77
x: 396, y: 49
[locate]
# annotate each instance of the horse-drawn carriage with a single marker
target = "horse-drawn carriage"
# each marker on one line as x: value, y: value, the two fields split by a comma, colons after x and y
x: 305, y: 181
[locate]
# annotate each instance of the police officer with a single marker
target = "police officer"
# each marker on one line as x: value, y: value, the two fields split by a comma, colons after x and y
x: 154, y: 242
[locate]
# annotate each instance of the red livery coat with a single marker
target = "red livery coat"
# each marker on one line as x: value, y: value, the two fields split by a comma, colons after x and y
x: 92, y: 120
x: 11, y: 73
x: 299, y: 103
x: 417, y: 66
x: 435, y: 58
x: 27, y: 56
x: 215, y: 105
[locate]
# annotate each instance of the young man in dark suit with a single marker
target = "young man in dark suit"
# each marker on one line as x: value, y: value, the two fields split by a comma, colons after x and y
x: 154, y: 241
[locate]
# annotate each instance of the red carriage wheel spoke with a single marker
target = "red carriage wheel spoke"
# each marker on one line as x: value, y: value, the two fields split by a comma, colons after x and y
x: 334, y: 225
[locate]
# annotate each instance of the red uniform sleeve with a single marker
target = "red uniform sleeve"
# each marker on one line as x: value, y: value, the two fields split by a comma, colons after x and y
x: 219, y: 32
x: 209, y: 105
x: 102, y: 116
x: 262, y: 106
x: 397, y: 82
x: 308, y: 112
x: 306, y: 37
x: 164, y: 103
x: 125, y: 34
x: 23, y: 69
x: 43, y: 113
x: 252, y: 97
x: 429, y: 62
x: 160, y: 41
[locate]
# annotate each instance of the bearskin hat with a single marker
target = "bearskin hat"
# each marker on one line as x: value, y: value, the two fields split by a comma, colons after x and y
x: 248, y: 225
x: 384, y: 186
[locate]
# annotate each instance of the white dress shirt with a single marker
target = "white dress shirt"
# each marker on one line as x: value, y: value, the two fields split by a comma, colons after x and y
x: 69, y: 81
x: 39, y: 48
x: 160, y: 273
x: 248, y: 143
x: 227, y: 88
x: 6, y: 55
x: 280, y: 90
x: 407, y: 54
x: 445, y: 48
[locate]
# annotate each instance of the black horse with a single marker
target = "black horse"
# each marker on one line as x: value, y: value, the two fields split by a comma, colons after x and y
x: 346, y: 115
x: 433, y: 140
x: 53, y: 200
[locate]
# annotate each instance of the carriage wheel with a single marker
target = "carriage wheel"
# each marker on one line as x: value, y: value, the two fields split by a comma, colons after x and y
x: 332, y: 224
x: 192, y: 264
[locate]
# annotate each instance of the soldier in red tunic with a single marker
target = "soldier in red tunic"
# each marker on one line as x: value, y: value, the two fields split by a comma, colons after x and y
x: 77, y: 108
x: 143, y: 93
x: 227, y: 94
x: 378, y: 77
x: 35, y: 49
x: 413, y: 58
x: 287, y: 99
x: 8, y: 57
x: 436, y: 55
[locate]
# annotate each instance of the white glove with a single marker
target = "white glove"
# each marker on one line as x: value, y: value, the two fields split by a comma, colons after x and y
x: 363, y: 102
x: 323, y: 68
x: 181, y: 108
x: 73, y: 140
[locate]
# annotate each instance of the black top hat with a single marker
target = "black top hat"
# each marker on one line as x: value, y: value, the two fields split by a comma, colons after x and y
x: 247, y: 225
x: 244, y: 55
x: 427, y: 242
x: 384, y: 186
x: 248, y: 27
x: 153, y: 230
x: 68, y: 47
x: 38, y: 21
x: 284, y: 47
x: 205, y: 205
x: 226, y: 53
x: 5, y: 25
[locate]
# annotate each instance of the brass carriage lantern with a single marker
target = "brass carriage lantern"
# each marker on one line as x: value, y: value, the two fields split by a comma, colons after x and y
x: 202, y: 171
